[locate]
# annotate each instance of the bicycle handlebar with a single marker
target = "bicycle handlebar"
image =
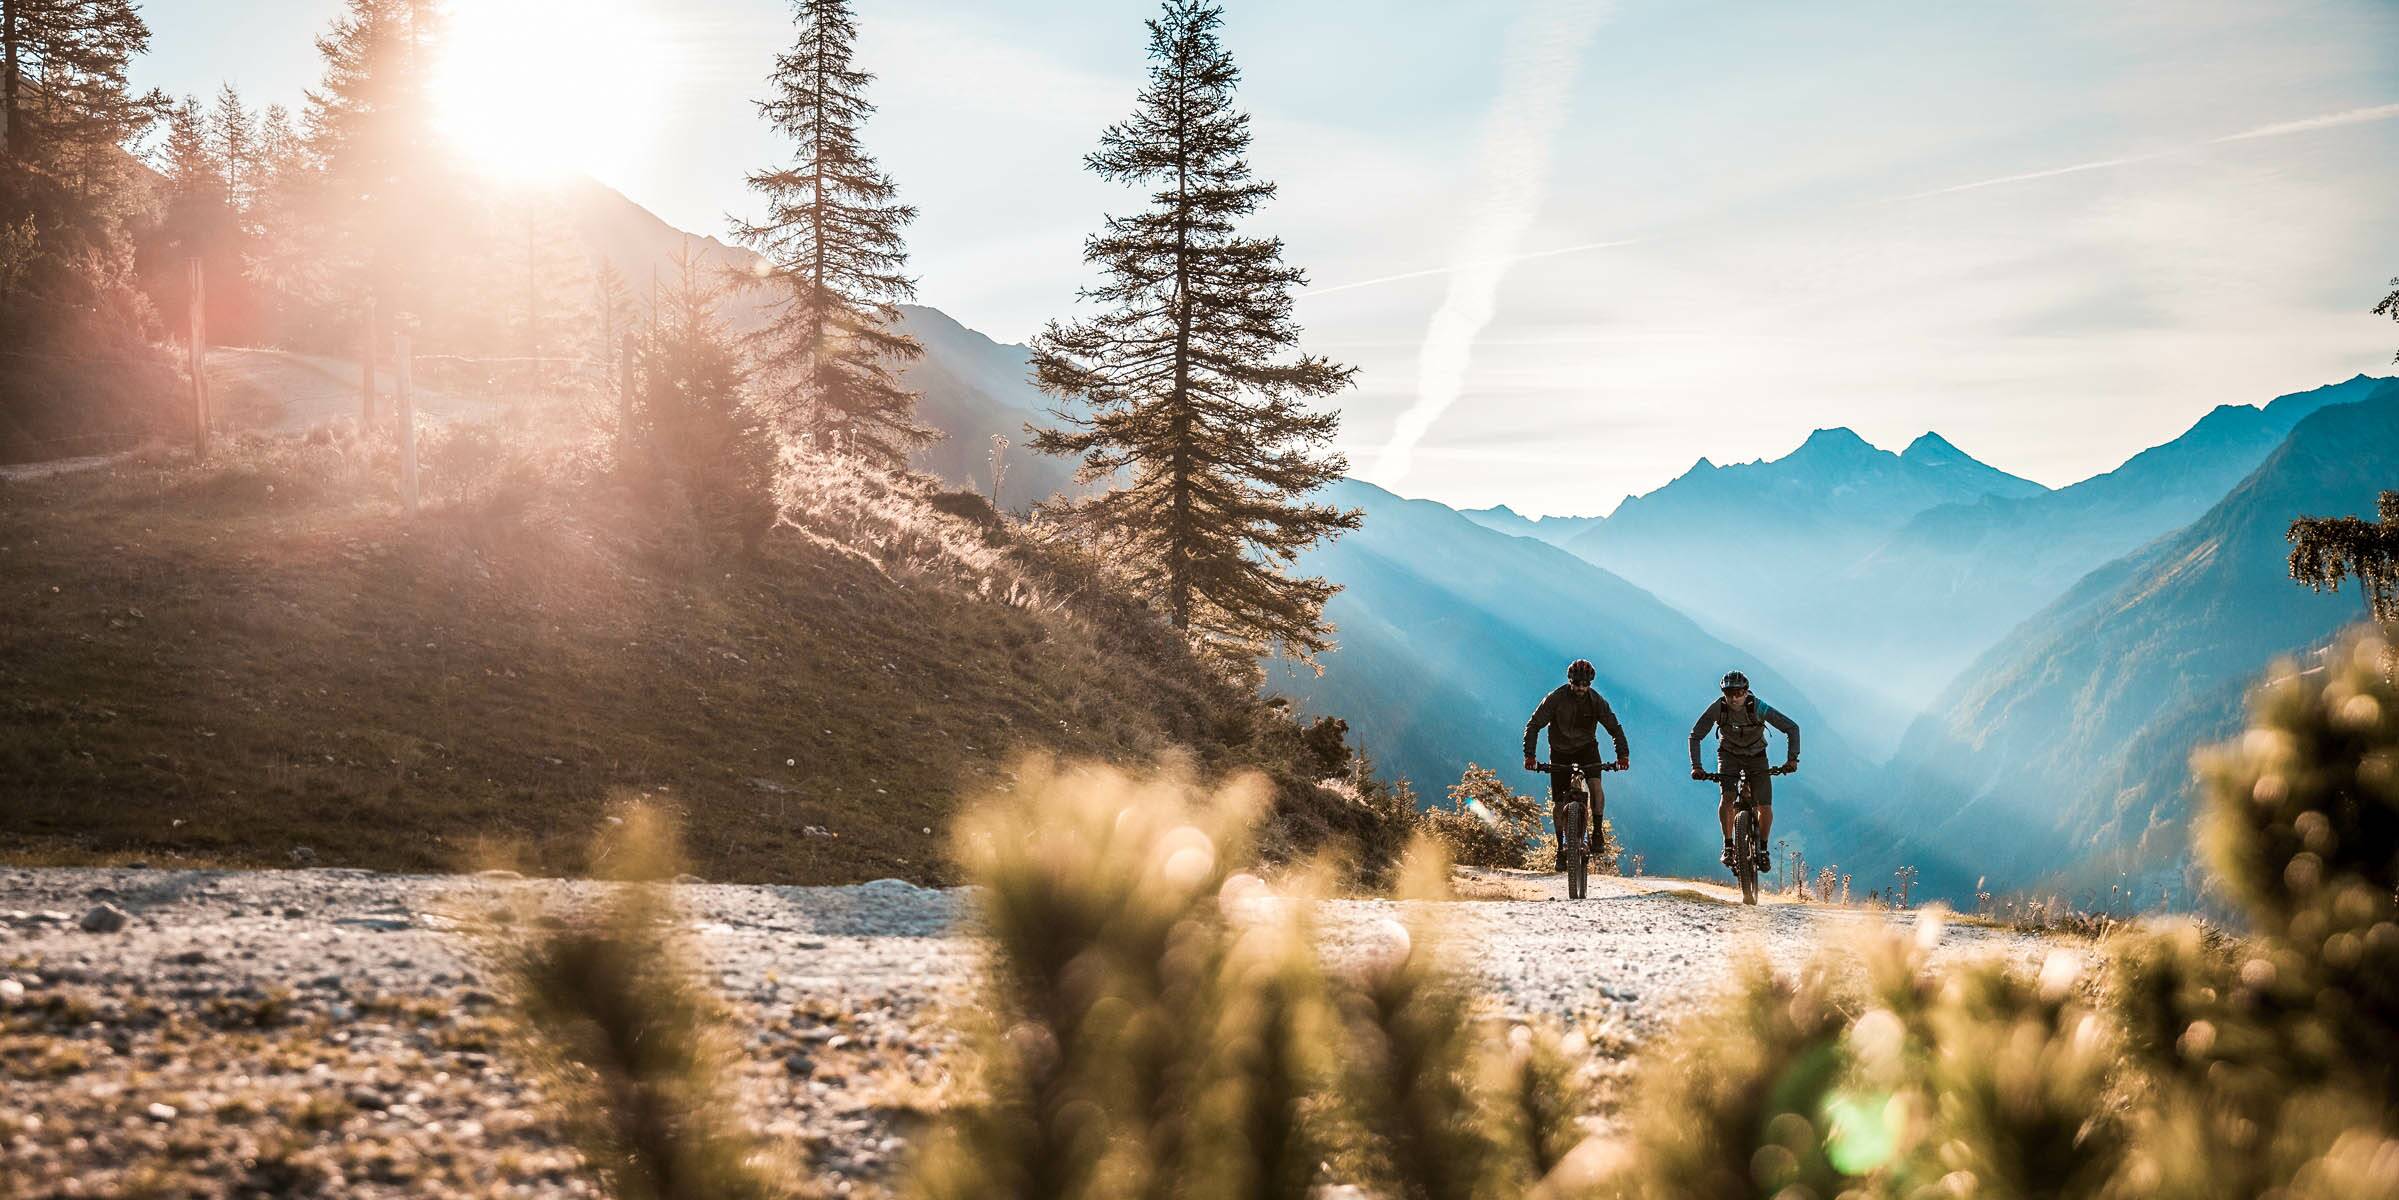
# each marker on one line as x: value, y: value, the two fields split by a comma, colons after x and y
x: 1718, y: 776
x: 1554, y: 768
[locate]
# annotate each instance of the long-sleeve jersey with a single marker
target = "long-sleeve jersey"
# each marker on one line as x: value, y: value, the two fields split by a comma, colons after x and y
x: 1742, y: 729
x: 1573, y: 722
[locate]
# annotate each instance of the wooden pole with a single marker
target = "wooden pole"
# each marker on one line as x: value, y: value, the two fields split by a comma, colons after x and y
x: 196, y: 277
x: 405, y: 403
x: 366, y: 373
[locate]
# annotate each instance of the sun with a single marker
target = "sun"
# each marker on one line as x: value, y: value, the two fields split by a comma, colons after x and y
x: 538, y: 89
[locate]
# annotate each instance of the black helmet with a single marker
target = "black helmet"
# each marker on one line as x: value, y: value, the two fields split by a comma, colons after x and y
x: 1734, y: 679
x: 1581, y: 671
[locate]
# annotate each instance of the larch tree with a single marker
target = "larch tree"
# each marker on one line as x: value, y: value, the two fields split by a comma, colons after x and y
x: 2325, y: 551
x: 546, y: 283
x: 1190, y: 389
x: 831, y: 354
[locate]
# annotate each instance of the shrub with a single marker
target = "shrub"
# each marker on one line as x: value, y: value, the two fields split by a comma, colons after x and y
x: 1487, y: 824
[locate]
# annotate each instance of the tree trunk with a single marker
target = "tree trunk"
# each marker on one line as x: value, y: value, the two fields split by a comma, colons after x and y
x: 18, y: 141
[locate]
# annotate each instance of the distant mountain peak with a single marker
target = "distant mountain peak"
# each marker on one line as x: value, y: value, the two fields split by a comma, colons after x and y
x: 1933, y: 450
x: 1838, y: 442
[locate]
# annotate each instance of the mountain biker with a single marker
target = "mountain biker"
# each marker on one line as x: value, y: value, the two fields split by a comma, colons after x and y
x: 1573, y: 715
x: 1740, y: 720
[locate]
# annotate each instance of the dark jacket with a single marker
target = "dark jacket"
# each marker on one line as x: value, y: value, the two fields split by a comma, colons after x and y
x: 1742, y: 731
x: 1573, y: 723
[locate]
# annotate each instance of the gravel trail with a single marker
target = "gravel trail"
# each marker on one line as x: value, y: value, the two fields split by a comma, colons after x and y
x: 333, y: 1031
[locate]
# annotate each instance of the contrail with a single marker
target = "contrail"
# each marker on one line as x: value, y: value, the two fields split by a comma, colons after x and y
x: 1544, y: 47
x: 1527, y: 256
x: 2354, y: 116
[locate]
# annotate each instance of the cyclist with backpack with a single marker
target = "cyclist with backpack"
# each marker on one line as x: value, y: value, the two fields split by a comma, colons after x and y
x: 1740, y: 720
x: 1574, y: 714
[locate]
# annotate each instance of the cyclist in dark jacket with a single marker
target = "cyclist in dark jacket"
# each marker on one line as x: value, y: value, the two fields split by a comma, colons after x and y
x: 1740, y: 720
x: 1573, y: 714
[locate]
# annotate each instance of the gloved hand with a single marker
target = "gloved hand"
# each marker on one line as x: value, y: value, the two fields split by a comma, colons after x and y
x: 1696, y: 773
x: 1624, y: 763
x: 1529, y: 764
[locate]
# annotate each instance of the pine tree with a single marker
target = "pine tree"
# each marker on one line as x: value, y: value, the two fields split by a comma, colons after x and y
x: 692, y: 413
x: 237, y: 147
x: 832, y: 237
x: 611, y: 317
x: 1191, y: 383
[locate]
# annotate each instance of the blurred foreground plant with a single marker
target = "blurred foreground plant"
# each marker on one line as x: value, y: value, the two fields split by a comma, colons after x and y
x: 631, y: 1046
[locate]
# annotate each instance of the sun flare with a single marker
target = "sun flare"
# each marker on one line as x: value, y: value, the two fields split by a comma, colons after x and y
x: 540, y: 88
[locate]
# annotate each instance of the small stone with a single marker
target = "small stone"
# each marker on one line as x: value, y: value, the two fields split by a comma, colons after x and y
x: 104, y: 918
x: 303, y: 856
x: 798, y: 1064
x: 11, y: 991
x: 162, y: 1112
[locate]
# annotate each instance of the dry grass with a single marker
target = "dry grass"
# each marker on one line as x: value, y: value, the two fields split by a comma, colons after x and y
x: 221, y: 664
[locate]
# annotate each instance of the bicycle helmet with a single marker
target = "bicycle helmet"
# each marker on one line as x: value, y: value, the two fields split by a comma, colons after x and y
x: 1734, y: 679
x: 1581, y: 671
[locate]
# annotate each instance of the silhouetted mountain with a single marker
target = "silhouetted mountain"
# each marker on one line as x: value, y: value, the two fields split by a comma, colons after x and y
x: 2063, y: 750
x: 1760, y: 550
x: 972, y: 386
x: 1450, y: 633
x: 1956, y: 578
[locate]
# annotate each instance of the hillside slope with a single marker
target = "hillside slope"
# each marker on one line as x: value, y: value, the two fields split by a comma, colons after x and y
x: 2069, y: 741
x: 224, y: 664
x: 1450, y: 632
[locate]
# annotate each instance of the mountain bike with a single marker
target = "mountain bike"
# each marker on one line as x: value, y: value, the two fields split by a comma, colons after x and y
x: 1574, y: 823
x: 1745, y: 833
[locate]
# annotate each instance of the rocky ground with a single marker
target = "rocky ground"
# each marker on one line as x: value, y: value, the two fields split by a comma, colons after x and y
x: 334, y: 1032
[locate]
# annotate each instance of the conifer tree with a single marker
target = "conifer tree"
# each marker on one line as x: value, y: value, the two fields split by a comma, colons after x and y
x: 832, y: 238
x: 2390, y: 308
x: 81, y: 368
x: 380, y: 170
x: 236, y: 132
x: 64, y: 98
x: 545, y: 282
x: 2325, y: 551
x: 693, y: 414
x: 1191, y: 385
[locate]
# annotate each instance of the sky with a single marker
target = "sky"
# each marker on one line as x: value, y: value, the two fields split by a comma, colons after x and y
x: 1572, y: 247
